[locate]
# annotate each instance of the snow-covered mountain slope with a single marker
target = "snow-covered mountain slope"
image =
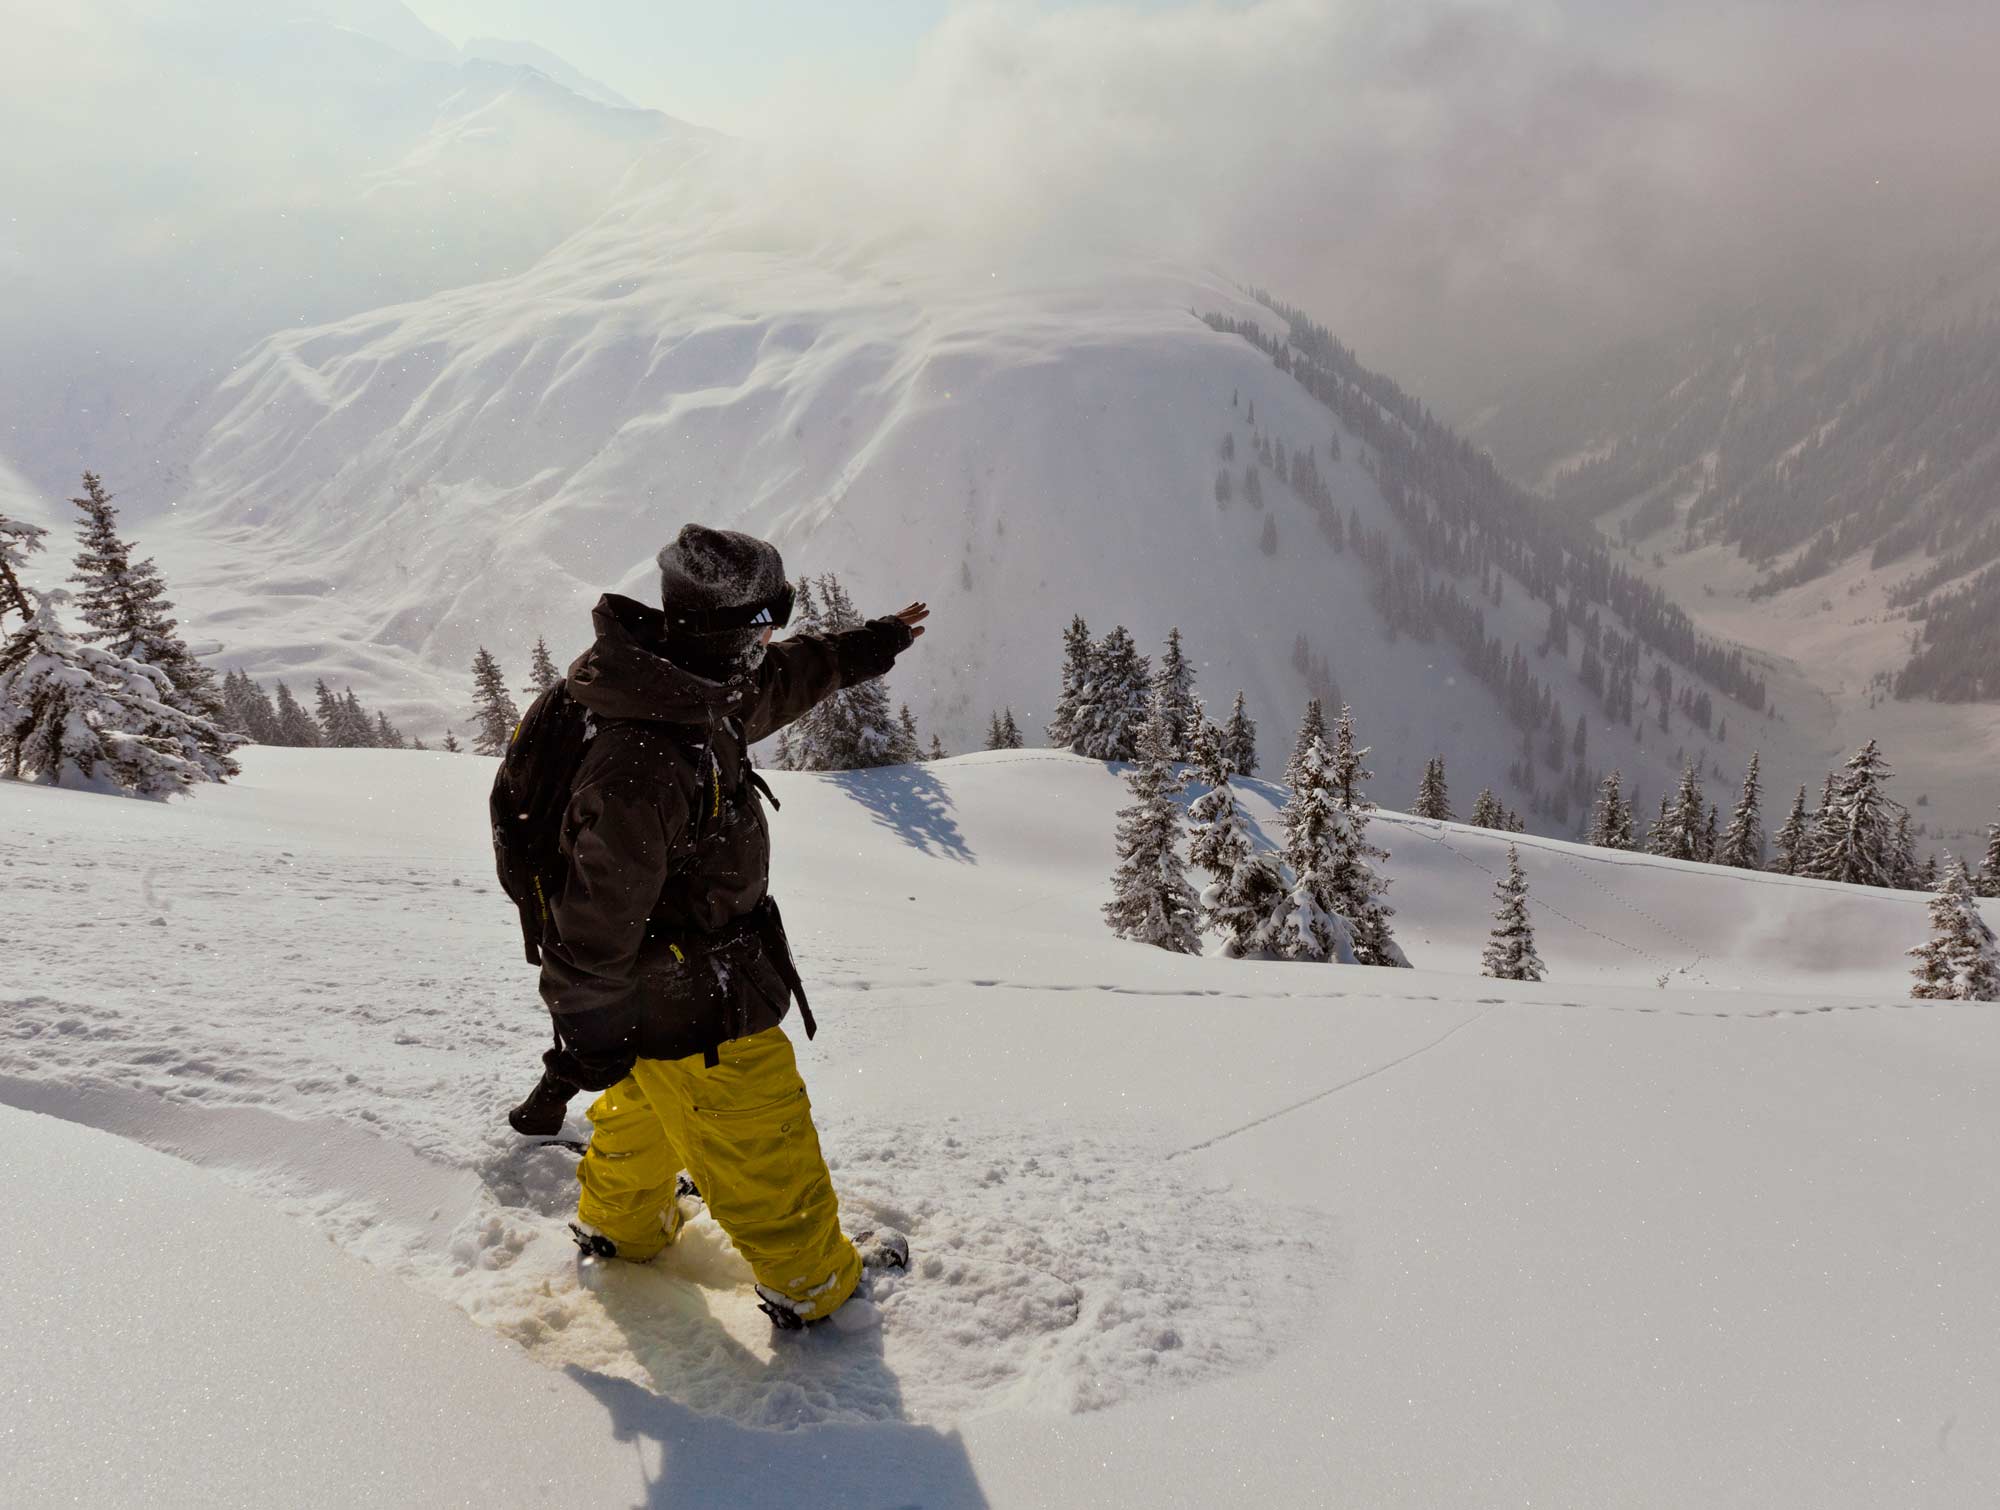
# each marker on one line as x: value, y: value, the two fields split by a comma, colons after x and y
x: 1204, y: 1231
x: 203, y: 175
x: 1014, y: 441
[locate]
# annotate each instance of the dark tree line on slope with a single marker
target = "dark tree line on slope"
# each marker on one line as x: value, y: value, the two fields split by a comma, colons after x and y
x: 1465, y: 519
x: 124, y: 705
x: 337, y: 721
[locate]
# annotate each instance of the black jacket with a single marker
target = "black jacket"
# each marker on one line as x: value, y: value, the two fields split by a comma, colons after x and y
x: 667, y: 853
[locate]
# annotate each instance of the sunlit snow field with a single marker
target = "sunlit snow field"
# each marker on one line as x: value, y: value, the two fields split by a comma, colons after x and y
x: 1705, y: 1218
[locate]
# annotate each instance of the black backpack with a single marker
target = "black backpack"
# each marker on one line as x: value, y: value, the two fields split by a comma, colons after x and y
x: 530, y: 794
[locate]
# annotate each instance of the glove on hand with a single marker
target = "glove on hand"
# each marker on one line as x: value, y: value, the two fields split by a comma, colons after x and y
x: 878, y: 643
x: 592, y: 1072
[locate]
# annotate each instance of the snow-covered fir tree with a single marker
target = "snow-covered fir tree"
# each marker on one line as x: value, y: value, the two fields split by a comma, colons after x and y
x: 387, y: 735
x: 1989, y: 873
x: 1820, y: 833
x: 1173, y: 683
x: 1151, y: 900
x: 1078, y: 649
x: 1240, y: 739
x: 125, y: 608
x: 295, y: 726
x: 1359, y: 897
x: 543, y: 672
x: 451, y: 746
x: 853, y: 729
x: 1244, y: 884
x: 937, y: 749
x: 1742, y: 845
x: 1433, y: 799
x: 74, y: 714
x: 1961, y: 959
x: 493, y: 712
x: 909, y: 749
x: 1709, y: 833
x: 1611, y: 818
x: 1510, y: 948
x: 1115, y: 703
x: 1321, y: 851
x: 1789, y: 844
x: 1903, y: 853
x: 18, y: 541
x: 1680, y: 832
x: 1856, y: 841
x: 249, y: 709
x: 1010, y: 731
x: 1487, y: 811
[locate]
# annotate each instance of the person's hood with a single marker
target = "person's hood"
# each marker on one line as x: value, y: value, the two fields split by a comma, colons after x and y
x: 626, y: 673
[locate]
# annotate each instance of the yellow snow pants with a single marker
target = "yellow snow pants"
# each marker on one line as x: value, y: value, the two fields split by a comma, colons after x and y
x: 744, y: 1132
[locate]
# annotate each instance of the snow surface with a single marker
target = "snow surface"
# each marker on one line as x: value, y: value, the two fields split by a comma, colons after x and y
x: 1187, y: 1231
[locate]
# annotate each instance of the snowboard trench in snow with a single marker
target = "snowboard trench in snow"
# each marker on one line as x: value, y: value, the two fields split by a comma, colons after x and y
x: 1699, y: 1219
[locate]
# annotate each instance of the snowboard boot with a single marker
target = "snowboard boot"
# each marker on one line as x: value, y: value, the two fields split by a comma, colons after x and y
x: 590, y: 1243
x: 881, y: 1251
x: 541, y: 1115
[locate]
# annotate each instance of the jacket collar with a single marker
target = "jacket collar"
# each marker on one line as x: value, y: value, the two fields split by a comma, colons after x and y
x: 626, y: 673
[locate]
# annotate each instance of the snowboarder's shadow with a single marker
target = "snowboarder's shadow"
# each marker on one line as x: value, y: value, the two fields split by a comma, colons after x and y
x: 701, y: 1460
x: 910, y: 801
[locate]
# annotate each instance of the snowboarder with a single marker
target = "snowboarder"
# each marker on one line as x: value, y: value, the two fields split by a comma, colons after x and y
x: 664, y: 961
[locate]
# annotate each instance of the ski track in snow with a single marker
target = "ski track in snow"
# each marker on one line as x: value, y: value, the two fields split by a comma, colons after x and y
x: 350, y: 1065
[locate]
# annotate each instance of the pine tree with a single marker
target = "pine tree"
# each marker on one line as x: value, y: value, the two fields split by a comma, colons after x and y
x: 1348, y: 771
x: 1679, y: 835
x: 125, y: 606
x: 1245, y: 884
x: 248, y: 709
x: 1961, y: 960
x: 18, y: 541
x: 387, y: 735
x: 1358, y: 889
x: 1487, y: 811
x: 1077, y: 674
x: 1174, y: 683
x: 1611, y: 819
x: 1151, y: 901
x: 1789, y: 844
x: 995, y: 740
x: 493, y: 712
x: 1113, y: 706
x: 1742, y: 847
x: 1433, y: 801
x: 542, y: 671
x: 1903, y: 854
x: 1989, y: 873
x: 854, y: 728
x: 1820, y: 835
x: 1709, y: 825
x: 357, y: 728
x: 451, y: 746
x: 1320, y: 850
x: 909, y: 749
x: 74, y: 714
x: 1240, y: 738
x: 1510, y: 949
x: 937, y: 748
x: 1856, y: 843
x: 295, y: 726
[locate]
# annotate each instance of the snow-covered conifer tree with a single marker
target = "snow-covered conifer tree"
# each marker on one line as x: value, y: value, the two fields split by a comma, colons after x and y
x: 18, y: 541
x: 1312, y: 732
x: 1510, y: 949
x: 1789, y: 844
x: 1961, y: 960
x: 125, y: 606
x: 1611, y: 819
x: 1709, y: 827
x: 387, y: 735
x: 1151, y: 900
x: 1433, y: 800
x: 937, y: 748
x: 295, y: 726
x: 854, y: 728
x: 451, y: 746
x: 1244, y: 884
x: 995, y: 740
x: 248, y: 709
x: 1856, y: 843
x: 1174, y: 683
x: 493, y: 712
x: 1359, y: 891
x: 1113, y: 706
x: 1077, y: 674
x: 1903, y: 853
x: 1240, y: 736
x: 1487, y: 811
x: 74, y: 714
x: 909, y: 749
x: 1989, y: 873
x: 543, y: 672
x: 1322, y: 852
x: 1742, y: 846
x: 1819, y: 836
x: 1010, y: 732
x: 358, y: 728
x: 1683, y: 821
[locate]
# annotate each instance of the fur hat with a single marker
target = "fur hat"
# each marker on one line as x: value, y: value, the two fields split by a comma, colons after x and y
x: 703, y: 569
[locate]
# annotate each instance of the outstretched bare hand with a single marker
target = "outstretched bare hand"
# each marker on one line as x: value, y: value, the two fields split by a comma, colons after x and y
x: 914, y: 616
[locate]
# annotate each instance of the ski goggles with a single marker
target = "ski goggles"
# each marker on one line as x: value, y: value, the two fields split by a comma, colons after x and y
x: 774, y: 612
